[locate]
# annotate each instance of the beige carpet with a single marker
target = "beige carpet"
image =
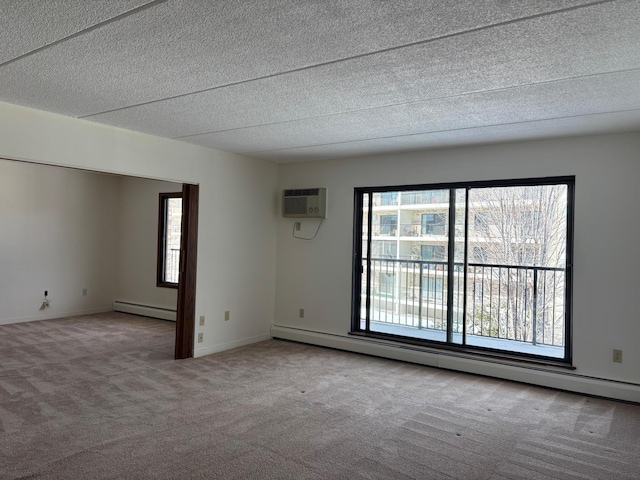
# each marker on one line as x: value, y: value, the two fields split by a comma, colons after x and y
x: 101, y: 397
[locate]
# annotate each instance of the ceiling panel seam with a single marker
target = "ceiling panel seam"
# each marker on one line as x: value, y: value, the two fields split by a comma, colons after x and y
x: 430, y: 132
x: 128, y: 13
x: 356, y: 57
x: 412, y: 102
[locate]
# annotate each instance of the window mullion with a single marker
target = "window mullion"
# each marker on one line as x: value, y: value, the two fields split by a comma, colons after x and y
x: 451, y: 263
x: 369, y: 235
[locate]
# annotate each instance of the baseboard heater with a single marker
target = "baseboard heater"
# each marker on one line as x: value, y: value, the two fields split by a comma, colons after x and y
x: 145, y: 310
x: 535, y: 375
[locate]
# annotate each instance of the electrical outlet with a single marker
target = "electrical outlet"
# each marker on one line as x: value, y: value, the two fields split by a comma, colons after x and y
x: 85, y: 292
x: 202, y: 320
x: 301, y: 314
x: 617, y: 356
x: 297, y: 224
x: 226, y: 316
x: 200, y: 337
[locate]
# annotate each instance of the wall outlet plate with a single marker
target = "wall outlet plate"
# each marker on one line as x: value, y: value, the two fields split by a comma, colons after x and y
x: 200, y: 337
x: 201, y: 320
x: 617, y: 356
x: 301, y: 313
x: 227, y: 316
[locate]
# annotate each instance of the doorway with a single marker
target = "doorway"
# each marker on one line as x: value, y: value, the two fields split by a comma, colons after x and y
x: 63, y: 240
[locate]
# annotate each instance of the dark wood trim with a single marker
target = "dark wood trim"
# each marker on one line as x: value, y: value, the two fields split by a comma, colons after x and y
x: 186, y: 314
x: 162, y: 220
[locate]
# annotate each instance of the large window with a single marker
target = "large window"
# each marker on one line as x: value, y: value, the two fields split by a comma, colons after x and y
x: 495, y: 277
x: 169, y: 236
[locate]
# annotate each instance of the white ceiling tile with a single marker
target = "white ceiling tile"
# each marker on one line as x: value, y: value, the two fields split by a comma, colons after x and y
x: 26, y: 25
x: 182, y: 46
x: 300, y: 76
x: 583, y: 96
x: 585, y: 125
x: 510, y: 55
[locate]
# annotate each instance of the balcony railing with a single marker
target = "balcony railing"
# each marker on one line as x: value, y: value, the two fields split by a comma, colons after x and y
x: 389, y: 230
x: 425, y: 198
x: 408, y: 230
x: 509, y: 302
x: 387, y: 199
x: 421, y: 230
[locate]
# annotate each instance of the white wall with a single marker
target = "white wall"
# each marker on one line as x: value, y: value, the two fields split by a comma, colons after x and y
x: 137, y: 243
x: 58, y: 233
x: 316, y: 275
x: 236, y: 236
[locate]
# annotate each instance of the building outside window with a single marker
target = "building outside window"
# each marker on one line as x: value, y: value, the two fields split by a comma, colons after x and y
x: 432, y: 252
x: 388, y: 224
x: 433, y: 223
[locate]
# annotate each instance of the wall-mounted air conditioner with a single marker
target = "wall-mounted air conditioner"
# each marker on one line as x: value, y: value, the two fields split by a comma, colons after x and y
x: 304, y: 203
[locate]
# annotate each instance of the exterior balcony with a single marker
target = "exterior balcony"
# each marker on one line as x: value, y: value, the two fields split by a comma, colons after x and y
x: 512, y: 308
x: 410, y: 231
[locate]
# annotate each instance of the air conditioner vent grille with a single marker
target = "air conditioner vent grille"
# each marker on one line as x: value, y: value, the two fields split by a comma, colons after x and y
x: 302, y: 192
x: 304, y: 203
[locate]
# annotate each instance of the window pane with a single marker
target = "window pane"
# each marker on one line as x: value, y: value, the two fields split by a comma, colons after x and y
x: 173, y: 232
x: 408, y: 264
x: 516, y: 292
x: 518, y: 225
x: 458, y: 306
x: 364, y: 260
x: 169, y: 238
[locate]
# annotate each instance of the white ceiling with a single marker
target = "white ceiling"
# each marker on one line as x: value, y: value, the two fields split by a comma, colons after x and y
x: 291, y: 80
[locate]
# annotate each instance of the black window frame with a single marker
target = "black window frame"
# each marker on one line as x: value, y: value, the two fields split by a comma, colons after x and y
x: 162, y: 240
x: 358, y: 269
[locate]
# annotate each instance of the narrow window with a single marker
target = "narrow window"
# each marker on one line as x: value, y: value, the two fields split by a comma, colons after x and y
x: 169, y: 234
x: 482, y: 266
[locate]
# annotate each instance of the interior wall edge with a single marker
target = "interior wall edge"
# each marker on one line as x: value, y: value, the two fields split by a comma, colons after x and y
x: 97, y: 170
x: 221, y: 347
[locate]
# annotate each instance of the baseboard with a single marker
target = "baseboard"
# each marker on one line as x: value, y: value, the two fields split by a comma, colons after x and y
x: 52, y: 315
x: 221, y: 347
x: 144, y: 310
x: 535, y: 375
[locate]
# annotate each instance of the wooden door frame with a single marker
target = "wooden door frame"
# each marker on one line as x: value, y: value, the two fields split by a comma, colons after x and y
x: 186, y: 309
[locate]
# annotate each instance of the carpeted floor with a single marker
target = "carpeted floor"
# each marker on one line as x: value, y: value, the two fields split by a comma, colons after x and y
x: 101, y: 397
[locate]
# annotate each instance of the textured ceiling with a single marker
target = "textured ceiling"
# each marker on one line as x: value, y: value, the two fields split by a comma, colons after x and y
x: 292, y: 80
